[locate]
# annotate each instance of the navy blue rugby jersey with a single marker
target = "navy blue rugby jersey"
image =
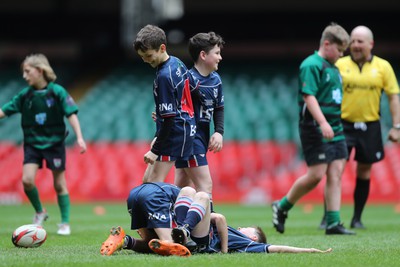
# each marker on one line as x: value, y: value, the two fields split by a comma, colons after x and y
x: 171, y: 89
x: 172, y: 96
x: 237, y: 242
x: 212, y: 97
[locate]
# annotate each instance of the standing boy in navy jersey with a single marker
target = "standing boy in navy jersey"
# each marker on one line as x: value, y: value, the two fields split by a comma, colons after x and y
x: 321, y: 130
x: 205, y: 51
x: 174, y: 109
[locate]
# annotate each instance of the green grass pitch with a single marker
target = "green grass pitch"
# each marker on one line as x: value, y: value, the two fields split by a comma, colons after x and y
x: 378, y: 245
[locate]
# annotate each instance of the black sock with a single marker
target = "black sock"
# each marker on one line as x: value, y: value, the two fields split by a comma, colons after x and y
x: 129, y: 242
x: 324, y: 217
x: 361, y: 193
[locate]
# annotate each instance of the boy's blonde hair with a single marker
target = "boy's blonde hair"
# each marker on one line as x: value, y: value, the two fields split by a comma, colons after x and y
x: 334, y: 33
x: 40, y: 61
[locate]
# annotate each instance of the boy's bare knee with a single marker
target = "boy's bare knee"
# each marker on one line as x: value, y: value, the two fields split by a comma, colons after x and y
x: 188, y: 191
x: 203, y: 196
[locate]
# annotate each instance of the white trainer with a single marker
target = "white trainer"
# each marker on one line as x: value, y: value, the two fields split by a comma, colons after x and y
x: 64, y: 229
x: 40, y: 217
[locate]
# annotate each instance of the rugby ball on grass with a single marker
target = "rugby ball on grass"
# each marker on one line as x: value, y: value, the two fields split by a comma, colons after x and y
x: 29, y: 236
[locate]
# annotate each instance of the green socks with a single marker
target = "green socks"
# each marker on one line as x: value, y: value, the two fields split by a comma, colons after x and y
x: 284, y: 204
x: 64, y: 204
x: 33, y: 196
x: 332, y: 218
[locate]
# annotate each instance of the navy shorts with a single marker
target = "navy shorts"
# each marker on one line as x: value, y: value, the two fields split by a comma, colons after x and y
x: 180, y: 141
x: 366, y: 139
x: 54, y: 156
x: 151, y: 205
x: 194, y: 161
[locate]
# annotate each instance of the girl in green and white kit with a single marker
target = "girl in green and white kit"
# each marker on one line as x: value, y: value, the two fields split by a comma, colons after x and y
x: 43, y: 106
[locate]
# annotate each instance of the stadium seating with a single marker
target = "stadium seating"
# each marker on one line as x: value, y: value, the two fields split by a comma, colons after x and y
x: 268, y: 169
x: 259, y: 162
x: 258, y: 107
x: 10, y: 129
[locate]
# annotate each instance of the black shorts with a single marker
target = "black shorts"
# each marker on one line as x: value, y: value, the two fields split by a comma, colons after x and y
x: 316, y: 151
x: 54, y: 156
x: 366, y: 138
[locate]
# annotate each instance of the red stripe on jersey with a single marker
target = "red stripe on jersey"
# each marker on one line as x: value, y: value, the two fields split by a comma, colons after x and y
x: 186, y: 101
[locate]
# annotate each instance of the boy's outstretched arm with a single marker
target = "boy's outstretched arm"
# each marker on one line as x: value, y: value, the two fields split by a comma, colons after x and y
x: 289, y: 249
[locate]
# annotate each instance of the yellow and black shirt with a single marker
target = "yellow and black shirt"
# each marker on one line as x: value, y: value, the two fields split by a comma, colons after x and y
x: 362, y: 87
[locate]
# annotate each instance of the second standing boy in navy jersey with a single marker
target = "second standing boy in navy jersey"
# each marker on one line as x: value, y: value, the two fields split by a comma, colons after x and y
x: 174, y: 109
x: 205, y: 51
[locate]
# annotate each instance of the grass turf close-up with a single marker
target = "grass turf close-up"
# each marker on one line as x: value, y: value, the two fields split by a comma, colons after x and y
x: 378, y: 245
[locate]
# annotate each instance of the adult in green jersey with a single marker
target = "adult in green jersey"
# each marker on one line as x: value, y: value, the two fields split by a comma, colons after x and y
x: 365, y: 77
x: 321, y: 131
x: 43, y: 106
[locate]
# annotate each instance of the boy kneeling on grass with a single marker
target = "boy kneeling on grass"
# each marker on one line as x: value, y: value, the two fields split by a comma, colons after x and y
x: 198, y: 230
